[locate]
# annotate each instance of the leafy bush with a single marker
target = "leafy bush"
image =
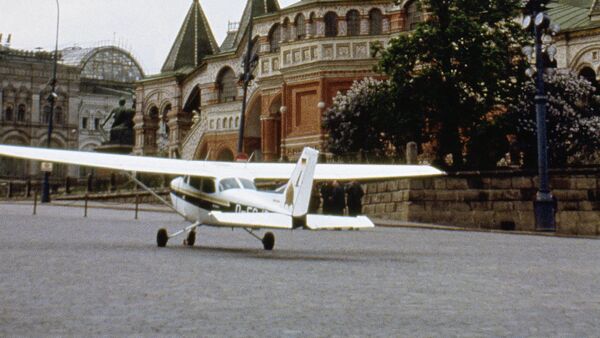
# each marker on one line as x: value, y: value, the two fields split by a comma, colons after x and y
x: 573, y: 120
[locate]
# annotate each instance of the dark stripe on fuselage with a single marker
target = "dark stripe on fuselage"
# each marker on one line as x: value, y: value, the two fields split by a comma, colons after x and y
x: 201, y: 203
x: 206, y: 205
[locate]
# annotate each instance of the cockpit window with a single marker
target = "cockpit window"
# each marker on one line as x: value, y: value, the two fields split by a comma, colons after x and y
x: 196, y: 182
x: 247, y: 184
x: 204, y: 184
x: 208, y: 186
x: 228, y: 183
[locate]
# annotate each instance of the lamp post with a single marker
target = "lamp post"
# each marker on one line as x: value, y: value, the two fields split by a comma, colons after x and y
x: 249, y: 64
x: 543, y: 52
x: 52, y: 100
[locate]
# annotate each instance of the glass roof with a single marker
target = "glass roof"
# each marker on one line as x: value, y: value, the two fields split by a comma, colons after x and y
x: 103, y: 63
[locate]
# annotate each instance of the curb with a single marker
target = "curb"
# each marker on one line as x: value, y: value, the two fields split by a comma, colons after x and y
x: 424, y: 226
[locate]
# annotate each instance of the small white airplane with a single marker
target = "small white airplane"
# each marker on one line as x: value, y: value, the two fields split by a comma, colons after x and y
x: 224, y: 194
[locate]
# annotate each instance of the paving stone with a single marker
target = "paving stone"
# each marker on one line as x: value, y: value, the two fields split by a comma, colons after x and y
x: 65, y: 275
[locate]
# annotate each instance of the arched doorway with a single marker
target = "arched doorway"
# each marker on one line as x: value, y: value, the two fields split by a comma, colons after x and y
x: 225, y: 155
x: 190, y: 113
x: 590, y: 75
x: 272, y: 131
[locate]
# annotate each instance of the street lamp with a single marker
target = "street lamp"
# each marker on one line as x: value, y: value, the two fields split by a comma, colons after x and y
x: 52, y: 100
x: 249, y: 64
x: 538, y: 22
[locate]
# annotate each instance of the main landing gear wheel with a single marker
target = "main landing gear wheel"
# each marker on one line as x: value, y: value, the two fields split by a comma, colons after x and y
x: 162, y: 237
x: 268, y: 241
x: 191, y: 239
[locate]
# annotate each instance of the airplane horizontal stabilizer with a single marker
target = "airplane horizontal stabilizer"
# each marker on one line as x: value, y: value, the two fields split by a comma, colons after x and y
x: 250, y: 220
x: 323, y: 222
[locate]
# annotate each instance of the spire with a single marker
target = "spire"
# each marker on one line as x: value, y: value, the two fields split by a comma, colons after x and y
x: 261, y: 7
x: 194, y: 41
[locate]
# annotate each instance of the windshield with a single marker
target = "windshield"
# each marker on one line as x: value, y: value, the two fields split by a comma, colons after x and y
x: 247, y: 184
x: 228, y: 183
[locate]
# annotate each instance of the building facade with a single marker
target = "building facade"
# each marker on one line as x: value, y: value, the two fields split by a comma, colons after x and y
x: 89, y: 85
x: 578, y: 43
x: 307, y: 53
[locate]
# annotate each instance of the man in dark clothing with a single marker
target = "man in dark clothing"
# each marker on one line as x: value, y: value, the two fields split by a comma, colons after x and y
x: 355, y: 194
x: 327, y: 195
x: 338, y: 199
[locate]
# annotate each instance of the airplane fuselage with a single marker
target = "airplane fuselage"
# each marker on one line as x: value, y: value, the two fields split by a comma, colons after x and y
x: 238, y: 195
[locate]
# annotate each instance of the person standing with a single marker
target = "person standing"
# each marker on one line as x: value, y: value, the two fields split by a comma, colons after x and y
x: 327, y: 195
x: 315, y: 200
x: 338, y: 199
x: 355, y: 194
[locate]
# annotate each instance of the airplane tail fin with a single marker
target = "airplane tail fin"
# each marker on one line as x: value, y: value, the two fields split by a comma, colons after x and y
x: 296, y: 196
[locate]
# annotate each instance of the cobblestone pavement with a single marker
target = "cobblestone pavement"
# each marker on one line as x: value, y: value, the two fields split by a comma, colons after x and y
x: 61, y: 274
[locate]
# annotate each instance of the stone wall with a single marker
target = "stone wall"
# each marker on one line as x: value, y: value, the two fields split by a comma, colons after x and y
x: 493, y: 200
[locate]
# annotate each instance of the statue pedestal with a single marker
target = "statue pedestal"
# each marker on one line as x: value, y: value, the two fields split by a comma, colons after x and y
x: 120, y: 149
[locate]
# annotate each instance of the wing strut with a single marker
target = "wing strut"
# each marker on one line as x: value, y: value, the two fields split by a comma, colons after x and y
x: 145, y: 187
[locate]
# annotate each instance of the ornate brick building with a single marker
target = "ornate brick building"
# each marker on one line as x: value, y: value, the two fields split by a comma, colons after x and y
x: 307, y: 53
x: 578, y: 43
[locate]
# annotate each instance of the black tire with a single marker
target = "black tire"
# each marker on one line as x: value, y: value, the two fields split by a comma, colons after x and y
x: 162, y: 237
x: 191, y: 238
x: 269, y: 241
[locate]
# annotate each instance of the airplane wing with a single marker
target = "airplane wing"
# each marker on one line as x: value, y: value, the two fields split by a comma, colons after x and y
x: 259, y: 171
x: 340, y: 172
x: 142, y: 164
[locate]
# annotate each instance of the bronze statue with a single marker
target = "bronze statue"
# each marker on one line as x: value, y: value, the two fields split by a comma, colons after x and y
x: 121, y: 131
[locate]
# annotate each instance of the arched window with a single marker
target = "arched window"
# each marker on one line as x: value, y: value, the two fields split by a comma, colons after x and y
x: 275, y: 37
x: 21, y: 112
x: 153, y: 113
x: 230, y: 123
x: 375, y: 22
x: 8, y: 113
x: 237, y: 122
x: 164, y: 120
x: 331, y: 24
x: 353, y: 22
x: 300, y: 24
x: 58, y: 115
x: 414, y: 15
x: 218, y: 123
x: 226, y: 83
x: 285, y: 30
x: 312, y: 25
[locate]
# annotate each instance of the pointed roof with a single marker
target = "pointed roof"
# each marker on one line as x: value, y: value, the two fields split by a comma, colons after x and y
x: 261, y: 7
x: 194, y: 41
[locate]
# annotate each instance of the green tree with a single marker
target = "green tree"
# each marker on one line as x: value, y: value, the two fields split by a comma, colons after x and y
x: 454, y: 68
